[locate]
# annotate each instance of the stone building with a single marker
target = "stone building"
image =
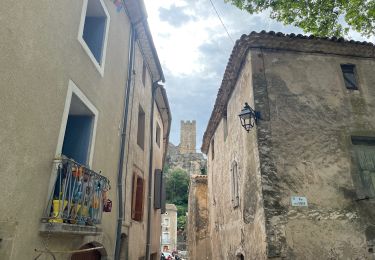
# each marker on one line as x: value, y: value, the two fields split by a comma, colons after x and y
x: 184, y: 156
x: 85, y: 129
x: 169, y: 228
x: 188, y: 137
x: 199, y: 246
x: 300, y: 184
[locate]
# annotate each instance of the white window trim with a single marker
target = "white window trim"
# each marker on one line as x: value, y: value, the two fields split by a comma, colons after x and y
x: 99, y: 67
x: 72, y: 88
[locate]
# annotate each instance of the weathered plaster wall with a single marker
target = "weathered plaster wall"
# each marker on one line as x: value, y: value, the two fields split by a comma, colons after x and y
x: 305, y: 150
x: 137, y: 160
x: 198, y: 220
x: 238, y: 230
x: 38, y: 59
x: 35, y: 71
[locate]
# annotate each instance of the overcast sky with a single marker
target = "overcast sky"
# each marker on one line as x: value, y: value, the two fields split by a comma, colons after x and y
x: 194, y: 49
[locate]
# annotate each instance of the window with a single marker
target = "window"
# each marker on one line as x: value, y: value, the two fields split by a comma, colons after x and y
x: 212, y: 149
x: 137, y: 198
x: 225, y: 126
x: 235, y: 192
x: 165, y: 238
x: 166, y: 222
x: 157, y: 134
x: 141, y: 128
x: 93, y: 32
x: 364, y: 150
x: 144, y: 69
x: 348, y: 72
x: 78, y: 127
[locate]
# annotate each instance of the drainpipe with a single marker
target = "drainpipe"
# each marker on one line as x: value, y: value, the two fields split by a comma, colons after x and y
x: 155, y: 86
x: 120, y: 191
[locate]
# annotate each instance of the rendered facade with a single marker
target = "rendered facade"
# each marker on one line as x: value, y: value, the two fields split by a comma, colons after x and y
x: 299, y: 184
x: 84, y: 133
x: 169, y: 228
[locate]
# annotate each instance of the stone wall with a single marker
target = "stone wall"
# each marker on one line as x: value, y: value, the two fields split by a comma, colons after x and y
x: 302, y: 146
x: 192, y: 163
x: 188, y: 137
x: 198, y: 221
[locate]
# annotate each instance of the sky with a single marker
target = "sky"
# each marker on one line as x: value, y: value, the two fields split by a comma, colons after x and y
x: 194, y: 48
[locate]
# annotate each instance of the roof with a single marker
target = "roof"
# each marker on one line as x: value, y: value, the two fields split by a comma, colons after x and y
x: 138, y: 16
x: 279, y: 42
x: 162, y: 103
x: 171, y: 207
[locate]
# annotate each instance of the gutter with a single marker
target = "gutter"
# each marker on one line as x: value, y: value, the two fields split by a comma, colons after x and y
x: 120, y: 191
x: 155, y: 86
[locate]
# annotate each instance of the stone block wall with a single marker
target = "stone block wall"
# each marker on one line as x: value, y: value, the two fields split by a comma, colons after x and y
x: 198, y: 220
x: 187, y: 137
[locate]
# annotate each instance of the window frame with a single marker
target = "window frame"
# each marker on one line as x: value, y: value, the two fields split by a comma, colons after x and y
x: 141, y: 124
x: 99, y: 67
x: 158, y: 134
x: 235, y: 184
x: 136, y: 213
x: 350, y: 68
x: 144, y: 72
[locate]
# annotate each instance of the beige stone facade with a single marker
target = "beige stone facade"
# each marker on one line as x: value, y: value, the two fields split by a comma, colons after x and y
x: 188, y: 137
x: 314, y: 143
x: 169, y: 228
x: 198, y: 238
x: 49, y: 74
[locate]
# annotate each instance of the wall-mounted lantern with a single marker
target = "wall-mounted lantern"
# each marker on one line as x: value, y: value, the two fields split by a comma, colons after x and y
x: 249, y: 117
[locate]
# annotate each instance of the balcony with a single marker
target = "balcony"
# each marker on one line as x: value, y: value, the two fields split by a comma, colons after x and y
x: 76, y: 203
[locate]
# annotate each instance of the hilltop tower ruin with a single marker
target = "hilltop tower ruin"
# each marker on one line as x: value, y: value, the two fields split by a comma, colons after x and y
x: 187, y: 137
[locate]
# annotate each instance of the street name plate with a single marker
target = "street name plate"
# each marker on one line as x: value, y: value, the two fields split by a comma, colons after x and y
x: 299, y: 201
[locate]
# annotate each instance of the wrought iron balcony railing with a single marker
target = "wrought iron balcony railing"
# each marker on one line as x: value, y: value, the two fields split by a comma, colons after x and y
x: 76, y: 202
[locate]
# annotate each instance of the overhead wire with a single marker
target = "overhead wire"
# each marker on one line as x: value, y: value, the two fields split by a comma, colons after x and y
x: 218, y: 15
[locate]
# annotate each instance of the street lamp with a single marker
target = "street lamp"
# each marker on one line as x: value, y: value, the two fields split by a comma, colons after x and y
x: 249, y: 117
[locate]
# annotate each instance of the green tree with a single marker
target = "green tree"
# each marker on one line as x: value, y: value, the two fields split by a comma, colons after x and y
x: 319, y: 17
x: 177, y: 191
x: 177, y: 187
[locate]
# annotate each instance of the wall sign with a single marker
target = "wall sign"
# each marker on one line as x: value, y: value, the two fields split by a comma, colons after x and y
x: 299, y: 201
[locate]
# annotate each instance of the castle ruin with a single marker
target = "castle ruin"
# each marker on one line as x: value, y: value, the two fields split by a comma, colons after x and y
x: 187, y: 137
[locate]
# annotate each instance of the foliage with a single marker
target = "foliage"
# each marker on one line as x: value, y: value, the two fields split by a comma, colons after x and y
x: 177, y: 191
x: 177, y: 187
x: 181, y: 222
x: 319, y: 17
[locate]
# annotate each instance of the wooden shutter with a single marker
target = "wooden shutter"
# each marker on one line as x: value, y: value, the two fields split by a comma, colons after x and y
x: 157, y: 189
x: 137, y: 198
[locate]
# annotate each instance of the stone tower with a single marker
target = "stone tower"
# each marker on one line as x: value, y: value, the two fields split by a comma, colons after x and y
x: 187, y: 137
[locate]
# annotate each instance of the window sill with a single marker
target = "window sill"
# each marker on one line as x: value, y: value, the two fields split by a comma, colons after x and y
x: 69, y: 229
x: 99, y: 67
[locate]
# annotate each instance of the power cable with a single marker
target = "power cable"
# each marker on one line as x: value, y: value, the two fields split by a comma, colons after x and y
x: 217, y: 13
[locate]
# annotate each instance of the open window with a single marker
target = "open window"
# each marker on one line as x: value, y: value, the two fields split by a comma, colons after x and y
x: 137, y: 197
x: 78, y: 128
x: 93, y: 32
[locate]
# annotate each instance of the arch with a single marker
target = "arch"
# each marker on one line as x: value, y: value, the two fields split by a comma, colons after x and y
x: 96, y: 254
x: 240, y: 256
